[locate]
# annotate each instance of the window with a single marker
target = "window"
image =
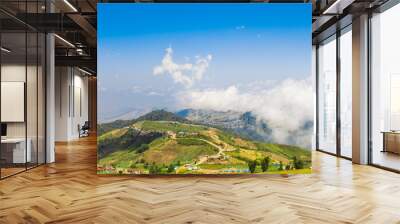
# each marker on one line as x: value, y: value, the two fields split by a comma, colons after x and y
x: 346, y: 92
x: 22, y: 88
x: 385, y: 89
x: 327, y: 95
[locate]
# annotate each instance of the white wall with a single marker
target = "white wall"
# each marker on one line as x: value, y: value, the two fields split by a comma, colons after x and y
x: 17, y: 73
x: 33, y: 126
x: 71, y: 103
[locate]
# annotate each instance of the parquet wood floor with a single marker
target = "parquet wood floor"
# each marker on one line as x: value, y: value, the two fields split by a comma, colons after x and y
x: 69, y: 191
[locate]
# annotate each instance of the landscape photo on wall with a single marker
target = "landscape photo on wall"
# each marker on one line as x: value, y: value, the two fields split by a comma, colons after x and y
x: 204, y: 89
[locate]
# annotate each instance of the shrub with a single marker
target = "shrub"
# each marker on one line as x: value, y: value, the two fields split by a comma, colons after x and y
x: 171, y: 168
x: 154, y: 169
x: 298, y: 163
x: 265, y: 164
x: 252, y: 165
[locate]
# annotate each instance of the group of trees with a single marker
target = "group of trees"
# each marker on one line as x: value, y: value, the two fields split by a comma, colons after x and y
x: 298, y: 163
x: 265, y: 162
x: 156, y: 169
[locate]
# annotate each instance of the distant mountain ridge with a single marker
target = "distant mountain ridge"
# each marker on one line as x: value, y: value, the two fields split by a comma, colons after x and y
x: 162, y: 115
x: 155, y: 115
x: 246, y: 124
x: 243, y: 124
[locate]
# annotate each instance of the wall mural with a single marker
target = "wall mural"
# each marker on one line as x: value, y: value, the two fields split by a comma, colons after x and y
x: 204, y: 89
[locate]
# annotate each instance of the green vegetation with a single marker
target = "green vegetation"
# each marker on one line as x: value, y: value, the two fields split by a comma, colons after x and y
x: 156, y: 115
x: 265, y: 164
x: 161, y: 142
x: 252, y: 165
x: 191, y: 141
x: 223, y: 166
x: 122, y: 159
x: 123, y: 139
x: 164, y: 126
x: 280, y: 165
x: 171, y: 151
x: 284, y: 150
x: 104, y: 128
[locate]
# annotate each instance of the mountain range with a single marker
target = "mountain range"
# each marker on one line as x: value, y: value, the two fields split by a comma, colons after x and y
x: 244, y: 124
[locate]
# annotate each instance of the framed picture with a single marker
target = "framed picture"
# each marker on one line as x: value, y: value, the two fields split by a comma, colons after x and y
x: 204, y: 89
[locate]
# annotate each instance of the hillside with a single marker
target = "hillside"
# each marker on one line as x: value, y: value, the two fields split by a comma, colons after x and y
x: 153, y: 145
x: 155, y: 115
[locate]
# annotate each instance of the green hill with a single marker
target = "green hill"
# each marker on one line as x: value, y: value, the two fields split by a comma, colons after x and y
x: 177, y: 146
x: 155, y: 115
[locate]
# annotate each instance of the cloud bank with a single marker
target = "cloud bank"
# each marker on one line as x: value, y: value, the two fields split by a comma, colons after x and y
x: 286, y: 106
x: 186, y: 74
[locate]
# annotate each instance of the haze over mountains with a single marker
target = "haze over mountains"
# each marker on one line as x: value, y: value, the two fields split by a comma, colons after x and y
x: 245, y: 124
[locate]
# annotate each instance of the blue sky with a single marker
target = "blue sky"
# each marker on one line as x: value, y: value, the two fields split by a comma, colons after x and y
x: 249, y: 43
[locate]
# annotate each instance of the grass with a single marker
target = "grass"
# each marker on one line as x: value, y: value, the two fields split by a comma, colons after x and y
x: 173, y: 126
x: 226, y: 137
x: 112, y: 134
x: 120, y: 159
x: 190, y: 141
x: 285, y: 150
x: 223, y: 166
x: 250, y: 155
x: 299, y: 171
x: 171, y: 151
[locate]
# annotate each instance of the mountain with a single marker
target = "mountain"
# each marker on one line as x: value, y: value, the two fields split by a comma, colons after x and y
x: 125, y: 138
x: 243, y: 124
x: 130, y: 115
x: 162, y: 115
x: 155, y: 115
x: 153, y: 145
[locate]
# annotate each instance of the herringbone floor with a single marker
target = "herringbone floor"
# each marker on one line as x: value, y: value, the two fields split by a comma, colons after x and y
x: 69, y: 191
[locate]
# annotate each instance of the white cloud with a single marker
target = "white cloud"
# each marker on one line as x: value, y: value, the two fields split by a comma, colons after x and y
x: 241, y: 27
x: 186, y: 74
x: 286, y: 106
x: 154, y: 93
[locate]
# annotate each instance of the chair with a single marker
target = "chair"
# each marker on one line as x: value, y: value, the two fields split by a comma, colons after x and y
x: 84, y: 130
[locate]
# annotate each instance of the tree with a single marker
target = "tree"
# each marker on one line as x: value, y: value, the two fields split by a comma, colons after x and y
x: 154, y: 169
x: 298, y: 163
x: 280, y: 165
x: 252, y: 165
x: 265, y: 163
x: 171, y: 168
